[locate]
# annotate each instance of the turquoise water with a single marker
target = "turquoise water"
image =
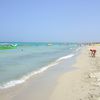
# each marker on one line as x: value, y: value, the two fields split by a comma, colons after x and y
x: 29, y: 58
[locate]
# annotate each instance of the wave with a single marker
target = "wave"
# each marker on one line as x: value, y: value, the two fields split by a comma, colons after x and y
x: 65, y: 57
x: 25, y: 78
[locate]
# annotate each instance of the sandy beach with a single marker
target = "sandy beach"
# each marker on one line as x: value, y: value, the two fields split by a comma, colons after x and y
x: 81, y: 83
x: 84, y: 82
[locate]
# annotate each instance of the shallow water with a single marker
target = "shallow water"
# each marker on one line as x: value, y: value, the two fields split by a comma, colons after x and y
x: 17, y: 65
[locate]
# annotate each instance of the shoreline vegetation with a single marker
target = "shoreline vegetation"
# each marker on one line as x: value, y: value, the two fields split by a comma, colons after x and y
x: 82, y: 83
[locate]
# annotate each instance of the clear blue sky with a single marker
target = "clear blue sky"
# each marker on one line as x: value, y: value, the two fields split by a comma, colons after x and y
x: 50, y: 20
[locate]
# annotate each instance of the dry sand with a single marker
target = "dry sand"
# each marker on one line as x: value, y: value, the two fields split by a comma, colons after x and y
x: 82, y: 83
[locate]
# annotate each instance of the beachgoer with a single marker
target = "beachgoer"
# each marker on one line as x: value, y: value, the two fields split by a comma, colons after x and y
x: 93, y: 52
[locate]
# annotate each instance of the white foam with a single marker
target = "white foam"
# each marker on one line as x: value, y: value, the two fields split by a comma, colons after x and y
x: 65, y: 57
x: 23, y: 79
x: 11, y: 84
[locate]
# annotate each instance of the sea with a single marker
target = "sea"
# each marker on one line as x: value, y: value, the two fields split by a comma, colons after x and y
x: 31, y: 58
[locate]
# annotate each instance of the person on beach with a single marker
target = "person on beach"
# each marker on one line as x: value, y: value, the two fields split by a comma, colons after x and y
x: 93, y: 52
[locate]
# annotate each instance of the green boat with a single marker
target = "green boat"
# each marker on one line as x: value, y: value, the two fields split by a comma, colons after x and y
x: 7, y: 46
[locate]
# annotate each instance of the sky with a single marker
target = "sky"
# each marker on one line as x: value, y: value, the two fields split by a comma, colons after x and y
x: 50, y: 20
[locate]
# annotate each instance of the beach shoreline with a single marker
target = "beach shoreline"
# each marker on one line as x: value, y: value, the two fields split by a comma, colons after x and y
x: 34, y: 86
x: 29, y: 59
x: 80, y: 82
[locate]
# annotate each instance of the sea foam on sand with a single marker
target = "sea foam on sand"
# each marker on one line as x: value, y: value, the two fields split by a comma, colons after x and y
x: 24, y: 78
